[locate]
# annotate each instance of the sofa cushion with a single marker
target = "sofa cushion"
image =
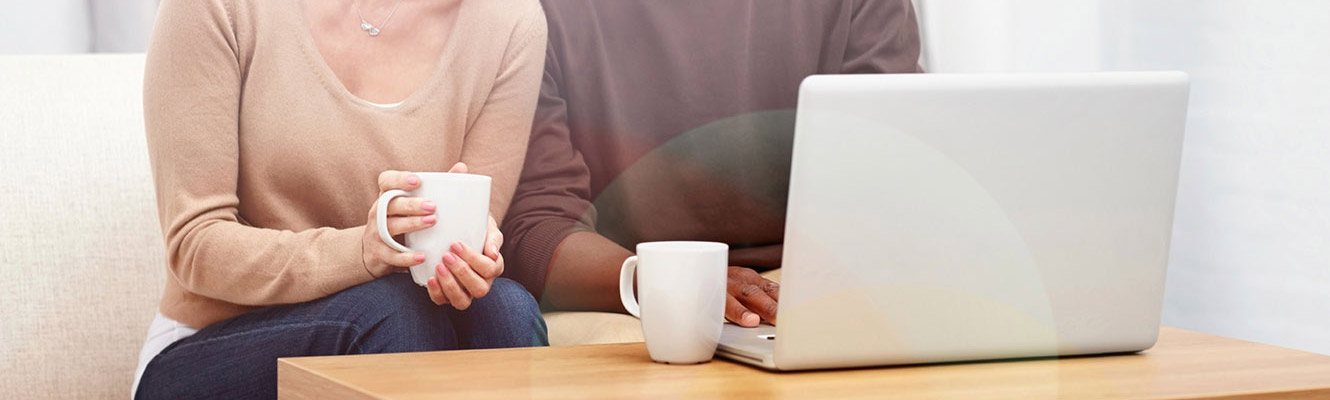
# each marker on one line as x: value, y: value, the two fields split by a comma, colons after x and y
x: 81, y: 253
x: 569, y: 328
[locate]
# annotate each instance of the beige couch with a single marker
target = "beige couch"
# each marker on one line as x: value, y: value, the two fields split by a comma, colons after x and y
x: 82, y: 256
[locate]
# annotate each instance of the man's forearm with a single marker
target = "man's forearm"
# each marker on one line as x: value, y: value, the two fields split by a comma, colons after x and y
x: 584, y: 274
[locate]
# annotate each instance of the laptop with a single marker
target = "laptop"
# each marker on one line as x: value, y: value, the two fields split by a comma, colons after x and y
x: 954, y: 217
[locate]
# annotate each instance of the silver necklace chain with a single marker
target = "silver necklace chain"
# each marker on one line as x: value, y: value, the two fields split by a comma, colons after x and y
x: 368, y: 27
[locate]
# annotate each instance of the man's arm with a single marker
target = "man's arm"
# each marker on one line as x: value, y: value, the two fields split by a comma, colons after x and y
x: 584, y: 274
x: 550, y: 245
x: 884, y: 38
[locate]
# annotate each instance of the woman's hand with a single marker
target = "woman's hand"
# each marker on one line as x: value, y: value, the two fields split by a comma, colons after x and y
x: 405, y: 214
x: 466, y: 274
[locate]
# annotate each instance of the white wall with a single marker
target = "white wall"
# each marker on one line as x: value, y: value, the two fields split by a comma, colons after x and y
x: 75, y: 26
x: 1251, y: 247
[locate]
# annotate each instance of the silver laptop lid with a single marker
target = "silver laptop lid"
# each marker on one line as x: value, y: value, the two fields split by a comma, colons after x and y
x: 938, y: 217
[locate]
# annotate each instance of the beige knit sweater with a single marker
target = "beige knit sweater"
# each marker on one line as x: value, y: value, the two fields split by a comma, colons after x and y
x: 266, y: 165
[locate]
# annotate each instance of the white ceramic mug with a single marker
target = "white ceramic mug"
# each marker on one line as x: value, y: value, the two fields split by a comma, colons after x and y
x: 681, y: 293
x: 462, y: 204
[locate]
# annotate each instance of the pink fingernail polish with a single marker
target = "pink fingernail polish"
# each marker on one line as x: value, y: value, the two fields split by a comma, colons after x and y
x: 449, y: 259
x: 457, y: 247
x: 420, y: 257
x: 427, y: 206
x: 411, y: 180
x: 429, y: 219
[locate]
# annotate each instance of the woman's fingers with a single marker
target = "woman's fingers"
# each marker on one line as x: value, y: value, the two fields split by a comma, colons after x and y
x: 493, y: 240
x: 453, y: 291
x: 410, y: 206
x: 389, y: 180
x: 459, y: 168
x: 464, y: 274
x: 493, y: 253
x: 401, y: 225
x: 435, y: 292
x: 399, y: 259
x: 486, y: 267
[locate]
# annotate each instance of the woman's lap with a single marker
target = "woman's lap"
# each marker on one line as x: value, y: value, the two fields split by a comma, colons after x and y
x: 236, y: 358
x: 507, y: 317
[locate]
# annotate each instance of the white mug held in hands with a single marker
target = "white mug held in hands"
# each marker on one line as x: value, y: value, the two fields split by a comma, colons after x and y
x: 463, y: 203
x: 680, y: 298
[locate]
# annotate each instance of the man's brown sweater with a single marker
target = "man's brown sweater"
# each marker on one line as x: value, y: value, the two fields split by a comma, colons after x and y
x: 669, y: 120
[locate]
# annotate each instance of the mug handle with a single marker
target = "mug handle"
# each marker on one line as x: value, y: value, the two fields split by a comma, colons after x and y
x: 381, y: 218
x: 626, y: 275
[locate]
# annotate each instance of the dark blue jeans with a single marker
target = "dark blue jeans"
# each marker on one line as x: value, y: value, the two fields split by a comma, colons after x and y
x: 237, y: 358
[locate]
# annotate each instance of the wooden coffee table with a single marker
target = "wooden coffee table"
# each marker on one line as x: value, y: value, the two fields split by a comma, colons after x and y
x: 1184, y: 364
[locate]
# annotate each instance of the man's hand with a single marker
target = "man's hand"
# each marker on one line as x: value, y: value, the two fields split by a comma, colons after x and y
x: 751, y: 298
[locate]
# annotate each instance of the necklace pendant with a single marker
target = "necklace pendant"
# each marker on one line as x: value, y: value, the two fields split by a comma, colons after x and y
x: 365, y: 26
x: 373, y: 31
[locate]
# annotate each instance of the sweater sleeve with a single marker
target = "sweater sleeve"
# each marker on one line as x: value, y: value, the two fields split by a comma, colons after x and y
x: 884, y: 38
x: 192, y: 87
x: 496, y: 143
x: 553, y: 196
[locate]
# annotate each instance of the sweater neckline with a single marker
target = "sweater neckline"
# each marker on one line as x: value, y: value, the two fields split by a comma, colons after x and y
x: 334, y: 83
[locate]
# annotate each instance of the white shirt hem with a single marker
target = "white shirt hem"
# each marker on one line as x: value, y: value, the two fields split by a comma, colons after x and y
x: 161, y: 333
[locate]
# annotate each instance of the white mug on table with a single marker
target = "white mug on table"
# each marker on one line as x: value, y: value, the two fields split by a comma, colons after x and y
x: 680, y: 298
x: 463, y: 202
